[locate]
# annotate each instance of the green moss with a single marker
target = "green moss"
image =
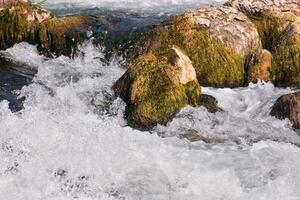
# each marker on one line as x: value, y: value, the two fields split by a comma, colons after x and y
x: 192, y: 92
x: 286, y: 65
x: 61, y: 35
x: 215, y: 64
x: 153, y: 92
x: 13, y: 27
x: 270, y: 29
x: 278, y: 37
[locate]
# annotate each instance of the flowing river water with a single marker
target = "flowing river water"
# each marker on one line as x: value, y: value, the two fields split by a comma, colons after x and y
x: 69, y: 140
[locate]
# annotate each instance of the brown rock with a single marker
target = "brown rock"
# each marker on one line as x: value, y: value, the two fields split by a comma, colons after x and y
x: 288, y: 106
x: 187, y: 72
x: 61, y: 35
x: 18, y: 21
x: 262, y: 69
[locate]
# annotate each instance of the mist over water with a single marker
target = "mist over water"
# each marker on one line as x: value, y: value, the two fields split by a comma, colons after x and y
x: 70, y: 141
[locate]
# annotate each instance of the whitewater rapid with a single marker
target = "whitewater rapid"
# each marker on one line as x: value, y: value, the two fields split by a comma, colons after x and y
x: 145, y: 6
x: 70, y: 141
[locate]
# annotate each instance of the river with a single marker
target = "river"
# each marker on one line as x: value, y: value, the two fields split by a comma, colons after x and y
x: 69, y: 139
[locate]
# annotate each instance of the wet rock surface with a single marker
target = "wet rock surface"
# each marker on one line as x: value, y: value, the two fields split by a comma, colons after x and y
x: 288, y: 107
x: 209, y: 102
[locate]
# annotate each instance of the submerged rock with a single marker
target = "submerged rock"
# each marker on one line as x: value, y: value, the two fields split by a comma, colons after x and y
x: 278, y: 24
x: 288, y: 106
x: 218, y: 40
x: 209, y: 102
x: 155, y: 88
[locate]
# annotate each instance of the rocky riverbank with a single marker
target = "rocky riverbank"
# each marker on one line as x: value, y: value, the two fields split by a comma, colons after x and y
x: 223, y: 46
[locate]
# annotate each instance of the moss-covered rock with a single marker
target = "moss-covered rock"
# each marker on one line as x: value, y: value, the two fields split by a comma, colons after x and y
x: 18, y: 20
x: 13, y: 27
x: 217, y: 40
x: 155, y: 88
x: 62, y: 35
x: 262, y: 67
x: 23, y: 21
x: 280, y: 35
x: 278, y: 24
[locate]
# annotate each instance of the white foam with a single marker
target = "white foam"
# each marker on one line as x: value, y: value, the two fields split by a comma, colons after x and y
x: 135, y: 5
x: 61, y: 146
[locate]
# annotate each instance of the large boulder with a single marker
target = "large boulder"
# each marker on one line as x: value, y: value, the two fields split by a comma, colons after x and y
x: 220, y: 41
x: 288, y: 106
x: 155, y: 88
x: 278, y: 24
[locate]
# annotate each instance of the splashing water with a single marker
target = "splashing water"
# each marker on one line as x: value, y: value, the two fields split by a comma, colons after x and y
x: 152, y: 6
x: 71, y: 142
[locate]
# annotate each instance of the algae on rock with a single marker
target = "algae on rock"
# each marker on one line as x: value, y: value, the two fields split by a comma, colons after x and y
x: 280, y: 36
x: 18, y: 22
x: 217, y: 40
x: 62, y: 35
x: 13, y: 28
x: 152, y: 89
x: 278, y: 24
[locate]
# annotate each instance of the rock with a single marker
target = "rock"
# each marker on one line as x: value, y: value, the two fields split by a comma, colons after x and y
x: 278, y: 24
x: 209, y: 102
x: 218, y: 40
x: 155, y: 88
x: 261, y: 70
x: 187, y: 72
x: 61, y: 35
x: 18, y: 20
x: 196, y: 136
x: 257, y: 6
x: 288, y: 106
x: 23, y: 21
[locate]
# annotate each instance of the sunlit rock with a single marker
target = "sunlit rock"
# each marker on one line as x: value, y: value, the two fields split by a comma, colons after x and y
x: 24, y: 21
x: 278, y: 25
x: 18, y: 21
x: 187, y: 72
x: 261, y: 70
x: 61, y: 35
x: 155, y: 88
x: 218, y: 40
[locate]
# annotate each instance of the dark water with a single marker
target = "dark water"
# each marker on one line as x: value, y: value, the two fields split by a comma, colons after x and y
x: 10, y: 81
